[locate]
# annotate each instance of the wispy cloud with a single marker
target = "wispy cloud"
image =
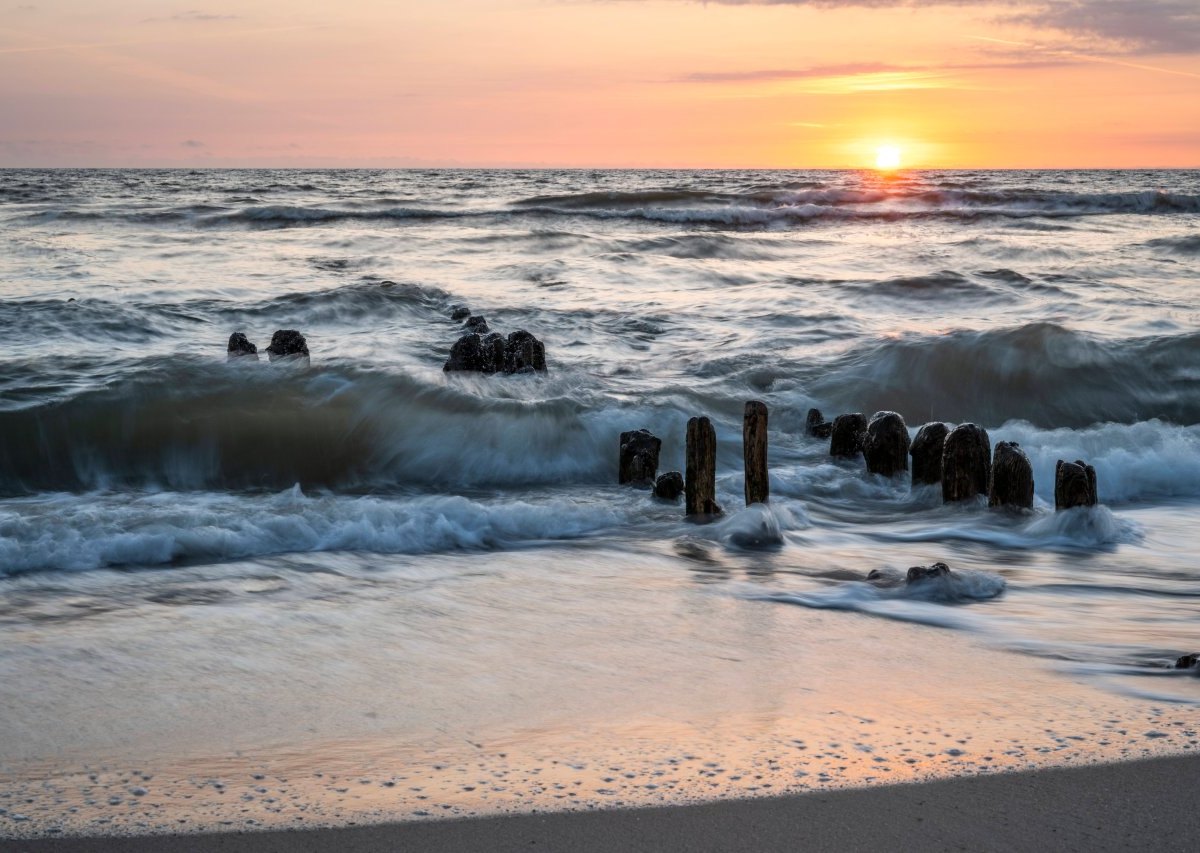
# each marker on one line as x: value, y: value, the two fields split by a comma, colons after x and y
x: 1132, y: 26
x: 193, y: 143
x: 775, y: 74
x: 194, y: 16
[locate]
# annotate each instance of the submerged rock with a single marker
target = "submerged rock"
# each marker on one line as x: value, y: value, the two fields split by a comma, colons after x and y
x: 478, y: 325
x: 669, y: 486
x: 1191, y: 661
x: 638, y: 463
x: 1074, y: 485
x: 240, y: 345
x: 921, y: 573
x: 886, y: 444
x: 524, y: 353
x: 926, y: 452
x: 459, y: 312
x: 287, y: 343
x: 1011, y: 482
x: 847, y: 435
x: 521, y: 352
x: 816, y: 425
x: 966, y: 463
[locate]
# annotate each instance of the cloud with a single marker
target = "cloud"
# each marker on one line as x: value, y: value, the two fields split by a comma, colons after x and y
x: 1129, y: 26
x: 192, y: 143
x: 1137, y: 26
x: 771, y: 75
x: 193, y: 15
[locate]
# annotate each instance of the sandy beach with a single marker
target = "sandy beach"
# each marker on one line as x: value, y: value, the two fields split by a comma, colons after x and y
x: 1143, y: 805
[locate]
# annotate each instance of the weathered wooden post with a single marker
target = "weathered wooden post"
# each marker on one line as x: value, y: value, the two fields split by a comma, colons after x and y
x: 847, y: 435
x: 966, y: 463
x: 926, y: 453
x: 638, y: 462
x: 754, y: 449
x: 886, y: 444
x: 1074, y: 485
x: 1011, y: 484
x: 700, y: 480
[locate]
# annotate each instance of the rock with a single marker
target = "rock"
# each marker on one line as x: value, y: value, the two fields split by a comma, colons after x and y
x: 816, y: 425
x: 886, y: 444
x: 669, y: 486
x: 524, y: 353
x: 287, y: 343
x: 926, y: 452
x: 468, y: 353
x: 1011, y: 482
x: 1074, y: 485
x: 1191, y: 661
x: 240, y: 345
x: 922, y: 573
x: 966, y: 463
x: 847, y: 435
x: 478, y: 325
x: 638, y: 462
x: 459, y: 312
x: 493, y: 347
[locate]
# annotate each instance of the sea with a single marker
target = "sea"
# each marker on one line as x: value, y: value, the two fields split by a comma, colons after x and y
x: 360, y: 556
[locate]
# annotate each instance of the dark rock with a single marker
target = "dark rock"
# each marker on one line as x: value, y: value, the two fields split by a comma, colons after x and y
x: 1012, y: 477
x: 1074, y: 485
x: 524, y: 353
x: 494, y: 349
x: 287, y: 343
x: 816, y: 425
x: 468, y: 353
x: 886, y: 444
x: 1191, y: 661
x: 478, y: 325
x: 921, y: 573
x: 669, y: 486
x: 639, y: 457
x: 966, y: 463
x: 459, y: 312
x: 240, y: 345
x: 926, y: 452
x: 847, y: 435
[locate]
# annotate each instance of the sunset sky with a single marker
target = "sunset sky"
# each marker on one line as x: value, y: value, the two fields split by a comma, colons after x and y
x: 727, y: 83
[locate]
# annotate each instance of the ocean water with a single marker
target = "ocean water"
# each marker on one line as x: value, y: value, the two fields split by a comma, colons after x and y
x: 151, y: 489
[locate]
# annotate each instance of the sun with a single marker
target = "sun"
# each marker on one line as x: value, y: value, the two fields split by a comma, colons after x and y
x: 887, y: 158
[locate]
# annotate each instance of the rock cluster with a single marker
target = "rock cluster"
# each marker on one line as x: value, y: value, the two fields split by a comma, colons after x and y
x: 287, y: 343
x: 481, y: 350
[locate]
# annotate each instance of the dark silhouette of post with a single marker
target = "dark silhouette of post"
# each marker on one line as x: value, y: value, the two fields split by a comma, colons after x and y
x: 754, y: 448
x: 700, y: 481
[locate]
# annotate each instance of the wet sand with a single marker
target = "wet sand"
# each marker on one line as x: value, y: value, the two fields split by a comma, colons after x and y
x: 1142, y: 805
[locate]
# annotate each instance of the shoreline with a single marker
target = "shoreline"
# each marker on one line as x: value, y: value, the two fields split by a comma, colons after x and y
x: 1146, y: 804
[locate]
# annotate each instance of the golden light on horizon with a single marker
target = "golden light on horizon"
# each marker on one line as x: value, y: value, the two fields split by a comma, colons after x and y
x: 887, y: 158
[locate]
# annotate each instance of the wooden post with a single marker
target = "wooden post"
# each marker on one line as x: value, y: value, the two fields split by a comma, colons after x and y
x: 700, y: 482
x: 754, y: 448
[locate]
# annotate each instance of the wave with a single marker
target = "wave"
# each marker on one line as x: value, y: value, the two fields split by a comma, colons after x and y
x: 79, y: 533
x: 198, y: 424
x: 924, y: 602
x: 761, y: 207
x: 132, y: 322
x: 1042, y: 373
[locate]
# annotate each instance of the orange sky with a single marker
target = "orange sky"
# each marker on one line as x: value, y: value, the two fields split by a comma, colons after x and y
x: 810, y: 83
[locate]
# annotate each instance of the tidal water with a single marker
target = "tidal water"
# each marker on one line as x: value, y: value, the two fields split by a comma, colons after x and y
x: 151, y: 489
